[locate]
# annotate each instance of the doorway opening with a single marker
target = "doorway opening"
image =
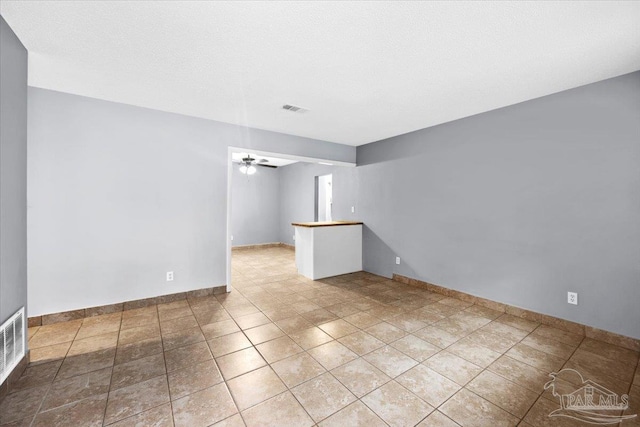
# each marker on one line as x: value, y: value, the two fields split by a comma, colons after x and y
x: 262, y: 201
x: 324, y: 198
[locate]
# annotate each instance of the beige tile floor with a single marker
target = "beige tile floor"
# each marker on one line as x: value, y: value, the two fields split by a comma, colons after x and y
x: 282, y: 350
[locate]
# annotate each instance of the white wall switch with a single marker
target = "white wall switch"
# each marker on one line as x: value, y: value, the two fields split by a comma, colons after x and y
x: 353, y: 209
x: 572, y: 298
x: 169, y: 276
x: 398, y: 260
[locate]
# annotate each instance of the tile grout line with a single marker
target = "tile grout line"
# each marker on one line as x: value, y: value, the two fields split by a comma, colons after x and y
x: 486, y: 368
x: 104, y: 412
x: 540, y: 395
x: 46, y: 395
x: 239, y: 412
x: 359, y: 357
x: 289, y: 389
x: 164, y: 361
x: 295, y: 289
x: 390, y: 378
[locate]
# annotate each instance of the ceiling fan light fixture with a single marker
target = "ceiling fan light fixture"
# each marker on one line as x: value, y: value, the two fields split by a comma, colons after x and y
x: 249, y: 164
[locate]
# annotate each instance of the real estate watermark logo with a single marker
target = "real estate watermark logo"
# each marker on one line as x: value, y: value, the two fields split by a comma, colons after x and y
x: 588, y: 402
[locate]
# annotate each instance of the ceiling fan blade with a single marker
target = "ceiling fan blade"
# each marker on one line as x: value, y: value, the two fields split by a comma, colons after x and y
x: 266, y: 166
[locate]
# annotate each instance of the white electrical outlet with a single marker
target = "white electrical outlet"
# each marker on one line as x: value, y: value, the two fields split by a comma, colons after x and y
x: 353, y: 209
x: 572, y: 298
x: 232, y: 237
x: 169, y: 276
x: 294, y: 237
x: 398, y: 260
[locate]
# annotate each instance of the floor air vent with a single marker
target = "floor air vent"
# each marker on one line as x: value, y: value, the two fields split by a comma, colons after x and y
x: 12, y: 343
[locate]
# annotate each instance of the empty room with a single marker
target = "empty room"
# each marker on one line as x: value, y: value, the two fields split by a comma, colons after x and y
x: 310, y: 213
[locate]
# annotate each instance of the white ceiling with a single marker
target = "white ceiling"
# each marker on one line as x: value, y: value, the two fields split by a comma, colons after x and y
x: 272, y: 161
x: 365, y: 70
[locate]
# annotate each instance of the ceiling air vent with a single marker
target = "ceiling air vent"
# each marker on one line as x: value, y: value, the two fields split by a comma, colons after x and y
x: 294, y: 108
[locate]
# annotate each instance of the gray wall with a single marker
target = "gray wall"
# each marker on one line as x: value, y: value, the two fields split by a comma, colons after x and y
x: 119, y: 195
x: 518, y: 205
x: 255, y: 206
x: 297, y: 192
x: 13, y: 173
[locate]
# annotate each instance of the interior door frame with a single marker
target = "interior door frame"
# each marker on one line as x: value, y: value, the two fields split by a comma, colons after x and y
x: 316, y: 197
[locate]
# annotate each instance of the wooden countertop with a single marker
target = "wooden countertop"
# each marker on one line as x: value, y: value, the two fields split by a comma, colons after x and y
x: 324, y: 223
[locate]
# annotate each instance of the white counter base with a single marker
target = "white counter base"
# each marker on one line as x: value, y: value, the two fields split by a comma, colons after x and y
x: 328, y: 251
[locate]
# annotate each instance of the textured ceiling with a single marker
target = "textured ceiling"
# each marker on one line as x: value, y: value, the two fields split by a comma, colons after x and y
x: 365, y: 70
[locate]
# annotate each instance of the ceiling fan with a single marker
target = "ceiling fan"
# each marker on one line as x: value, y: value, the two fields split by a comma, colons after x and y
x: 248, y: 164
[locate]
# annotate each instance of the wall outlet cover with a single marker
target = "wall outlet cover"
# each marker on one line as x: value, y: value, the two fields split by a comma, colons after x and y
x: 572, y: 298
x: 398, y: 260
x: 169, y: 276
